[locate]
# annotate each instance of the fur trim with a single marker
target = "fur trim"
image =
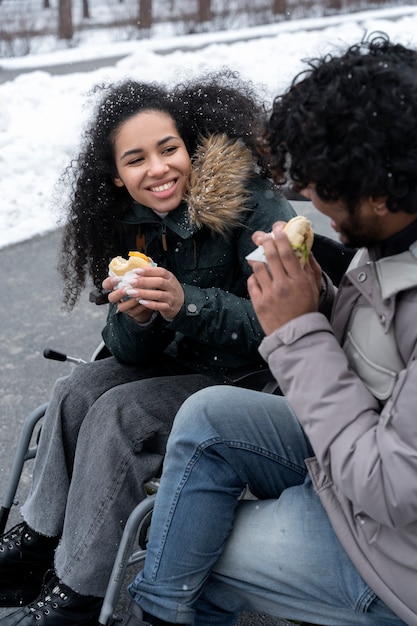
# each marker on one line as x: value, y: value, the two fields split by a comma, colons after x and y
x: 217, y: 193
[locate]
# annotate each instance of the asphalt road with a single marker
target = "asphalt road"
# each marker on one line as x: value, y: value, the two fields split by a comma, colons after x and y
x: 30, y: 321
x: 61, y: 68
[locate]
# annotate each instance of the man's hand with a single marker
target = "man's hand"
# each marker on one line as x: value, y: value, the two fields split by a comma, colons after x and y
x: 281, y: 289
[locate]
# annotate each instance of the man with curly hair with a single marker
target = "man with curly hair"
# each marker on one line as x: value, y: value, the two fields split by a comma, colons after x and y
x: 332, y: 537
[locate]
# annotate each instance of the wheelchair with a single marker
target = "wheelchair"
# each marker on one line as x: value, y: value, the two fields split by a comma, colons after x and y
x: 132, y: 548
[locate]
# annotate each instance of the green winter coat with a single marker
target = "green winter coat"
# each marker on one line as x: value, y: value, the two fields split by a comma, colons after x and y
x: 204, y: 243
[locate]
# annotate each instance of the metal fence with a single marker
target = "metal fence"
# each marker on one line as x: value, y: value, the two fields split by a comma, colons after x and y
x: 24, y: 22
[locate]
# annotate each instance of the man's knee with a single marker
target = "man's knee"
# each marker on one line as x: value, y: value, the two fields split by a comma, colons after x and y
x: 205, y: 404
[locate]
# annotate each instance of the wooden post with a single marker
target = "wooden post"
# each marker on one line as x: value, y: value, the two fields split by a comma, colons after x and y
x: 145, y: 14
x: 86, y: 10
x: 279, y: 7
x: 65, y: 26
x: 204, y: 10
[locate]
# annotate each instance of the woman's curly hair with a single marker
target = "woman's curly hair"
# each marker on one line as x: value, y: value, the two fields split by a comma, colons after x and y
x: 219, y: 102
x: 348, y: 124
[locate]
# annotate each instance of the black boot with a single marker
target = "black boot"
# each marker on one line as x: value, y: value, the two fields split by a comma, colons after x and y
x: 25, y: 556
x: 57, y: 605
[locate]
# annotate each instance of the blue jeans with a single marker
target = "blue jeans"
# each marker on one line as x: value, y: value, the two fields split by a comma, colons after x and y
x: 212, y: 555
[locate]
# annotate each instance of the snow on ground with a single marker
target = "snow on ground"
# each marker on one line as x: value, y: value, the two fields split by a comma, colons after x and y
x: 42, y: 115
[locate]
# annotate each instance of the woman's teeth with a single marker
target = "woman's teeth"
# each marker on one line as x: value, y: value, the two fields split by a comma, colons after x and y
x: 163, y: 187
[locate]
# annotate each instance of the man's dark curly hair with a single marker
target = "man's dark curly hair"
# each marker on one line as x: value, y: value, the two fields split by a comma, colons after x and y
x: 219, y: 102
x: 348, y: 124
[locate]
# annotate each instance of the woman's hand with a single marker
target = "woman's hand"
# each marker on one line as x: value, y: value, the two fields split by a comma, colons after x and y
x: 154, y: 289
x: 281, y: 289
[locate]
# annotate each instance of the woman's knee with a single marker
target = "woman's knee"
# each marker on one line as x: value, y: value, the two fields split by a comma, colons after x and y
x: 79, y: 379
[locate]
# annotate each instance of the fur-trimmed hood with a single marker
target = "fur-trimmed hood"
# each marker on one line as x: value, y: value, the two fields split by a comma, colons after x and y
x: 218, y: 193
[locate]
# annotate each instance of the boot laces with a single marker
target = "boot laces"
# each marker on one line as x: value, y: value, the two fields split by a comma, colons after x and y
x: 50, y: 601
x: 14, y: 536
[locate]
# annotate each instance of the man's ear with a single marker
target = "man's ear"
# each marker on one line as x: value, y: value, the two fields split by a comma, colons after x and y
x: 379, y: 205
x: 118, y: 181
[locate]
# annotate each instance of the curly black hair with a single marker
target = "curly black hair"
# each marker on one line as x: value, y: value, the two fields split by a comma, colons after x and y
x: 219, y: 102
x: 348, y: 124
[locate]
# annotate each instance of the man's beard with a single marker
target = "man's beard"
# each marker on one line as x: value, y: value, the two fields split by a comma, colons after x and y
x: 356, y: 236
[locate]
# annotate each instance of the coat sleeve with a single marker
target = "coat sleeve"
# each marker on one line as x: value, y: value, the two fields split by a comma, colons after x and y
x: 132, y: 343
x: 368, y: 452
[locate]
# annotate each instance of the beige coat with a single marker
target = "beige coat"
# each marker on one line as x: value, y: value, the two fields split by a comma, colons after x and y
x: 358, y: 405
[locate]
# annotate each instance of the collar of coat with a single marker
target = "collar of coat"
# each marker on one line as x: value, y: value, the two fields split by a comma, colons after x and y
x: 217, y: 193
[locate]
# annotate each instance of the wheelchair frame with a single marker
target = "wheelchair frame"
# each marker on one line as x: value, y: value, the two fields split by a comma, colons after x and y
x: 25, y: 451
